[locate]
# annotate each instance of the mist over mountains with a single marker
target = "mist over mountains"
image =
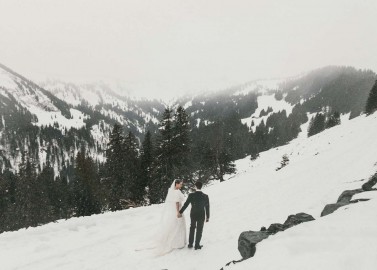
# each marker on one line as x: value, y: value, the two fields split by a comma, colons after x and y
x: 71, y: 150
x: 53, y: 120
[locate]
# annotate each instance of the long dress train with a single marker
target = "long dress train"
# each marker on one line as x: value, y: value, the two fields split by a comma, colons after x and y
x: 173, y: 229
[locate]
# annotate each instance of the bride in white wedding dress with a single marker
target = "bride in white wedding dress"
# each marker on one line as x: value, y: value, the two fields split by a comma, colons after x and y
x: 173, y: 229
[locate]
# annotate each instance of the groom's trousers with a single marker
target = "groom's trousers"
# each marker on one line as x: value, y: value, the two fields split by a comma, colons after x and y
x: 196, y: 223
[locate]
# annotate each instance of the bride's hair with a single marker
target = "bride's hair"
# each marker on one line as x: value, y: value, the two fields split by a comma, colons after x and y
x: 177, y: 181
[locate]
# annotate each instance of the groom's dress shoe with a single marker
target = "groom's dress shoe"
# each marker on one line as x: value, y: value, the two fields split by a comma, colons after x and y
x: 198, y: 247
x: 189, y: 246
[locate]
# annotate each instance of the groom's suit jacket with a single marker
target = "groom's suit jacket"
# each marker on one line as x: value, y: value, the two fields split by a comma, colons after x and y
x: 199, y: 205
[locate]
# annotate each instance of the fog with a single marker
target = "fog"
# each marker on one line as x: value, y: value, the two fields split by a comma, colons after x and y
x: 169, y: 47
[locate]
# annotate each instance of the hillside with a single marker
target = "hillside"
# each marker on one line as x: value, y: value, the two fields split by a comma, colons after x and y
x: 51, y: 121
x: 319, y: 169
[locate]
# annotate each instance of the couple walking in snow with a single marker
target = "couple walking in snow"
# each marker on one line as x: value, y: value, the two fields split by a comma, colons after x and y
x: 173, y: 224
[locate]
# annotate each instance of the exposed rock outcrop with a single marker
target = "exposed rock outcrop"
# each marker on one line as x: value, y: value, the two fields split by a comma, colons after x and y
x: 344, y: 199
x: 294, y: 220
x: 276, y: 227
x: 248, y: 239
x: 368, y: 186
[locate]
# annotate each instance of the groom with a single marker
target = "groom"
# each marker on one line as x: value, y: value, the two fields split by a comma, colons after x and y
x: 199, y: 212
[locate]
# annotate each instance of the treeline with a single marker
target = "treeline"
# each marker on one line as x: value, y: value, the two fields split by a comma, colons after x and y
x: 371, y: 105
x: 131, y: 176
x: 31, y: 199
x: 201, y: 144
x: 135, y: 173
x: 343, y: 89
x: 325, y: 120
x: 322, y: 121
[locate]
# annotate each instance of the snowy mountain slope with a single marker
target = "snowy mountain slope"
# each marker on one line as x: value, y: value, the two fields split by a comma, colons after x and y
x: 68, y: 104
x: 319, y: 169
x: 109, y: 98
x: 36, y: 100
x: 91, y: 109
x: 266, y: 102
x: 28, y: 114
x: 35, y: 120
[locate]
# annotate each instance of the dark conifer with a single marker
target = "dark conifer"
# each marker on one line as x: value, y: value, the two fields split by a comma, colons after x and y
x: 221, y: 154
x: 164, y: 162
x: 333, y: 120
x: 225, y: 165
x: 49, y: 190
x: 317, y: 124
x: 131, y: 159
x: 115, y: 167
x: 146, y: 163
x: 86, y: 184
x: 371, y: 105
x: 29, y: 199
x: 181, y: 144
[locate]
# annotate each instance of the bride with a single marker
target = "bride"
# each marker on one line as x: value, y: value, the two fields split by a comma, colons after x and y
x: 173, y: 229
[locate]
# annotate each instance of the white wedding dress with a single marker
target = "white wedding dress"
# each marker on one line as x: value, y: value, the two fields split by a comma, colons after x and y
x: 172, y: 233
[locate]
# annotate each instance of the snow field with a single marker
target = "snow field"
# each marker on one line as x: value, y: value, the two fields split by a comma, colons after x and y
x: 320, y: 168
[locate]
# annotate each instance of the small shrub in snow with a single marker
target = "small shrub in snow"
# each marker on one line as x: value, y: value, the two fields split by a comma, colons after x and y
x: 284, y: 162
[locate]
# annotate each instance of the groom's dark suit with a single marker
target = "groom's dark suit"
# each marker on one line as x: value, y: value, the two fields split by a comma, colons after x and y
x: 199, y: 212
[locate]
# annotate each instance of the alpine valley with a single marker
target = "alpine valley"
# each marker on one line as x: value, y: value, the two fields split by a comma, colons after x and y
x: 51, y: 121
x: 71, y: 150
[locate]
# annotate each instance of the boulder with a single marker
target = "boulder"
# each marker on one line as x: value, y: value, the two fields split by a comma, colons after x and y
x: 293, y: 220
x: 331, y: 208
x: 344, y: 199
x: 368, y: 186
x: 276, y: 227
x: 347, y: 195
x: 248, y: 240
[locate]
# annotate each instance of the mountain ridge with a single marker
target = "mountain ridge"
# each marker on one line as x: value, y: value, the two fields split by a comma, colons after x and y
x: 90, y: 118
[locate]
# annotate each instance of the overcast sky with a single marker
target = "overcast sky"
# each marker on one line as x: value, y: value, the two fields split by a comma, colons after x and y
x: 162, y: 47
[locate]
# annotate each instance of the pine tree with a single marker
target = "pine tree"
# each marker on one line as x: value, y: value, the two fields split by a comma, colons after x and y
x: 115, y: 167
x: 371, y: 105
x: 253, y: 147
x: 223, y: 161
x: 63, y: 197
x: 164, y: 162
x: 225, y: 165
x: 146, y: 163
x: 333, y: 120
x: 132, y: 166
x: 260, y: 137
x: 4, y: 203
x: 8, y: 216
x: 50, y: 197
x: 86, y: 186
x: 181, y: 144
x: 204, y: 162
x: 317, y: 124
x: 29, y: 200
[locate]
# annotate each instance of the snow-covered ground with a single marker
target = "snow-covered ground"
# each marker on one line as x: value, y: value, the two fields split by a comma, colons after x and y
x: 319, y: 169
x: 265, y: 102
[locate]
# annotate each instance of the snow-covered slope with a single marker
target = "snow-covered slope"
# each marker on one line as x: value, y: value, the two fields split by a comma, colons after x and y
x: 319, y: 169
x: 35, y: 119
x: 37, y: 101
x: 92, y: 93
x: 266, y: 102
x: 99, y: 94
